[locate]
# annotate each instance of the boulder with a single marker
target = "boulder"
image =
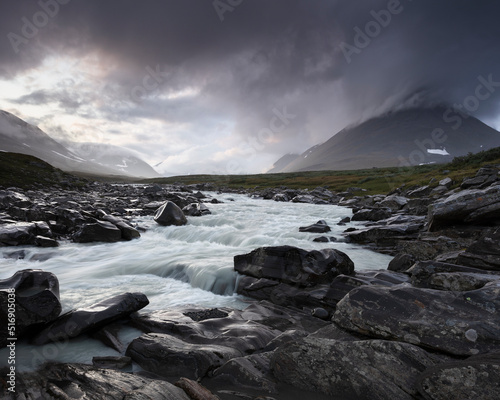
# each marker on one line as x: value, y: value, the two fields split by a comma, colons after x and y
x: 363, y: 370
x: 477, y: 377
x: 292, y: 265
x: 127, y: 231
x: 458, y: 323
x: 394, y: 202
x: 469, y: 206
x: 194, y: 390
x: 99, y: 231
x: 483, y: 253
x: 281, y: 197
x: 196, y: 210
x: 36, y: 298
x: 251, y: 372
x: 170, y: 214
x: 385, y: 235
x: 401, y: 262
x: 92, y: 318
x: 77, y: 381
x: 168, y: 356
x: 324, y: 239
x: 447, y: 182
x: 319, y: 227
x: 20, y: 233
x: 374, y: 214
x: 10, y: 198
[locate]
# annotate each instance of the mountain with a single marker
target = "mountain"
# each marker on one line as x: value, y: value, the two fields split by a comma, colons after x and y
x: 283, y: 162
x: 17, y: 136
x: 113, y: 157
x: 399, y: 138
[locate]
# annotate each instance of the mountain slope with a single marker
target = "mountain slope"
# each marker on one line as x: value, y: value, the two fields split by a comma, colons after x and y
x: 408, y: 137
x: 17, y: 136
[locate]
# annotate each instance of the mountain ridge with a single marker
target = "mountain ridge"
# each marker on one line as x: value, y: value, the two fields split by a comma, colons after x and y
x: 397, y: 138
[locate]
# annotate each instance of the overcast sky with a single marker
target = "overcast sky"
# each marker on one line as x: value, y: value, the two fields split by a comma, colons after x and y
x: 230, y: 86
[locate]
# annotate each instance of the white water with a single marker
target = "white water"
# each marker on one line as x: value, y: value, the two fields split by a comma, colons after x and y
x: 176, y: 266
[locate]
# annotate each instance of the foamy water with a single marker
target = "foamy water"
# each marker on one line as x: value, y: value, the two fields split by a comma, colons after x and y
x: 174, y: 266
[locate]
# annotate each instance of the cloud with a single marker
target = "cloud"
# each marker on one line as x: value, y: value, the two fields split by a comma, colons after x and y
x: 174, y: 73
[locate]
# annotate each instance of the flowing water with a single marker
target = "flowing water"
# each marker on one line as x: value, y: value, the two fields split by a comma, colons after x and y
x: 175, y: 266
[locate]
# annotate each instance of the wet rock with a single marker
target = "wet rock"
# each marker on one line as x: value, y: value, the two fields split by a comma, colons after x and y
x: 324, y: 239
x: 304, y: 199
x: 92, y: 318
x: 385, y: 235
x: 281, y: 197
x: 319, y: 227
x: 77, y: 381
x: 20, y: 233
x: 477, y: 377
x: 127, y: 232
x: 99, y: 231
x: 10, y: 198
x: 365, y: 370
x: 483, y: 253
x: 459, y: 323
x: 168, y: 356
x: 293, y: 265
x: 252, y: 372
x: 170, y: 214
x: 469, y: 206
x: 196, y: 210
x: 43, y: 241
x: 394, y: 202
x: 194, y: 390
x: 111, y: 362
x: 401, y: 262
x: 36, y: 295
x: 374, y: 214
x: 423, y: 275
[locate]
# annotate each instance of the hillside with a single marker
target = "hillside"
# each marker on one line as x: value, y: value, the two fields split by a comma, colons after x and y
x: 402, y: 138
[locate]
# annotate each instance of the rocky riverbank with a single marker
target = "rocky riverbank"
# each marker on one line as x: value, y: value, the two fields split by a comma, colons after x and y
x: 428, y: 327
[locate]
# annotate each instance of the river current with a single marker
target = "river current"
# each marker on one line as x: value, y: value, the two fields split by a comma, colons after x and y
x: 175, y: 266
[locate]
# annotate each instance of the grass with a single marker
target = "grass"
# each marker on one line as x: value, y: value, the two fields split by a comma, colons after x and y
x: 24, y: 171
x: 375, y: 180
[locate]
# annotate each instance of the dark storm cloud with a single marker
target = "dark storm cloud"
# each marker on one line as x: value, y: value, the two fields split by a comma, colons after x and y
x: 305, y: 56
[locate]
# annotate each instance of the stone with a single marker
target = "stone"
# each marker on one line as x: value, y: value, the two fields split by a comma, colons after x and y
x: 99, y: 231
x: 324, y: 239
x: 92, y: 318
x: 319, y: 227
x: 43, y: 241
x: 111, y: 362
x: 36, y: 295
x: 401, y: 262
x: 168, y: 356
x: 196, y: 210
x: 477, y: 377
x: 10, y: 198
x: 290, y: 264
x: 78, y: 381
x: 483, y: 253
x: 434, y: 319
x: 170, y: 214
x: 394, y: 202
x: 194, y: 390
x: 251, y: 372
x: 387, y: 235
x: 423, y: 275
x: 469, y: 206
x: 281, y: 197
x: 374, y: 214
x: 364, y: 370
x: 19, y: 233
x: 447, y: 182
x: 128, y: 232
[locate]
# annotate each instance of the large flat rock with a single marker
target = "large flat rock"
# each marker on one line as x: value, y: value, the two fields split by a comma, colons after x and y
x: 459, y: 323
